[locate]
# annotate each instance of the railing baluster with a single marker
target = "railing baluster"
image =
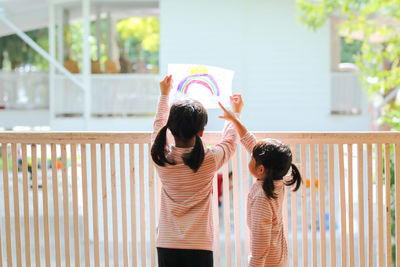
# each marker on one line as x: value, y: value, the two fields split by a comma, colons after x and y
x: 152, y: 211
x: 217, y: 253
x: 285, y: 215
x: 123, y: 203
x: 114, y: 205
x: 35, y: 203
x: 379, y: 186
x: 142, y: 206
x: 26, y: 206
x: 85, y: 204
x: 294, y: 212
x: 370, y: 207
x: 133, y: 202
x: 1, y: 254
x: 351, y: 216
x: 64, y: 169
x: 303, y: 165
x: 361, y: 202
x: 332, y: 224
x: 16, y: 207
x: 313, y: 206
x: 397, y: 184
x: 74, y: 173
x: 227, y: 214
x: 236, y: 209
x: 342, y: 205
x: 321, y: 188
x: 55, y: 201
x: 43, y: 155
x: 7, y: 203
x: 93, y: 165
x: 245, y: 182
x: 388, y: 207
x: 347, y: 188
x: 104, y: 202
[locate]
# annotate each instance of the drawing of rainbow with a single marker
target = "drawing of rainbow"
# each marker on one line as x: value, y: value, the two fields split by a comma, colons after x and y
x: 205, y: 80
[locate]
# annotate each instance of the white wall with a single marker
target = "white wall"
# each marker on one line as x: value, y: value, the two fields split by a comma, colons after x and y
x: 282, y: 68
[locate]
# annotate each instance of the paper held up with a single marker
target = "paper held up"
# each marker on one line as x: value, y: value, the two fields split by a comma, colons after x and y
x: 206, y: 84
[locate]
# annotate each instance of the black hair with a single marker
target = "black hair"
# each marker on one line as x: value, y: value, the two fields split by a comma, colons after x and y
x: 186, y: 119
x: 276, y: 158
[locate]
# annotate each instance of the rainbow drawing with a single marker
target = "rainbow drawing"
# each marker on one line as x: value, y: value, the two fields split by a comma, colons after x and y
x: 203, y: 79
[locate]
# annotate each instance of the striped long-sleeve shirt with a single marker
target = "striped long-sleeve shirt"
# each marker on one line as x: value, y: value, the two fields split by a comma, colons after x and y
x: 185, y: 220
x: 268, y: 245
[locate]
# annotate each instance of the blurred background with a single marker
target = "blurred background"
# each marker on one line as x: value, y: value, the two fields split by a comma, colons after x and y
x: 300, y: 65
x: 95, y: 65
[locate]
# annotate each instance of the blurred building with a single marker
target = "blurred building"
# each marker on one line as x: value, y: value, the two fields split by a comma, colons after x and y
x: 290, y: 77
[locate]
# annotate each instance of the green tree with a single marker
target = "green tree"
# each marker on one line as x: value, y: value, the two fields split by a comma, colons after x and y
x: 74, y: 42
x: 20, y: 54
x: 377, y: 24
x: 141, y: 34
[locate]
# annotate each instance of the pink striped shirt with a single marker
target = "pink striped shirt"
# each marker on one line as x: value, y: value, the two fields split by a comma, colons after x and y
x: 268, y: 245
x: 185, y: 220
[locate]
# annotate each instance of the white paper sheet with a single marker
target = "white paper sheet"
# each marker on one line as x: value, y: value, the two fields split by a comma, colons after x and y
x: 207, y: 84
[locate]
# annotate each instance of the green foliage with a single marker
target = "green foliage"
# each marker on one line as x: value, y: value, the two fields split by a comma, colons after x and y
x: 138, y: 40
x: 377, y: 24
x: 144, y: 30
x: 315, y: 14
x: 74, y: 41
x: 391, y: 115
x: 20, y: 54
x: 350, y: 50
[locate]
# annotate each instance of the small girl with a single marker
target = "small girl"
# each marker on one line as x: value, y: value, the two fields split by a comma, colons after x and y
x: 270, y: 162
x: 186, y: 170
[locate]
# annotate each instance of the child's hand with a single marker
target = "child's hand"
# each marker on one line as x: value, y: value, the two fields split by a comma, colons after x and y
x: 237, y: 103
x: 228, y: 115
x: 166, y: 85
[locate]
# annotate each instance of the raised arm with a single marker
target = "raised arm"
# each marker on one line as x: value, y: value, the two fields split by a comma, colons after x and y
x: 247, y: 139
x: 224, y: 150
x: 162, y: 114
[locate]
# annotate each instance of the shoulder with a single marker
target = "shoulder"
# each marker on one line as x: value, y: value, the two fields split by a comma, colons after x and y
x: 256, y: 190
x: 212, y: 152
x: 257, y: 197
x: 209, y: 155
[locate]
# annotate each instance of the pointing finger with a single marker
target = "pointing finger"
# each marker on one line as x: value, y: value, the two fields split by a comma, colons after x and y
x: 222, y: 107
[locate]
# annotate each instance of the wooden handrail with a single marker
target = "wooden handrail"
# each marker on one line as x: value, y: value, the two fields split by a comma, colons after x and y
x: 209, y: 137
x: 113, y: 176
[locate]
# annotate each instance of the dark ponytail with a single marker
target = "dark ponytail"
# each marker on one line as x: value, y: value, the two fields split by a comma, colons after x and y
x: 186, y: 119
x: 276, y: 158
x: 268, y: 186
x: 158, y: 148
x: 296, y: 178
x: 195, y: 158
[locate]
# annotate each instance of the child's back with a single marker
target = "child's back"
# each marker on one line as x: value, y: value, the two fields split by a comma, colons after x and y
x: 270, y: 163
x: 185, y: 217
x: 264, y: 214
x: 186, y: 170
x: 269, y: 211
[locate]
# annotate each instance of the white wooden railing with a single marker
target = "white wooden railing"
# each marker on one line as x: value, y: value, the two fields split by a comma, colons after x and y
x: 24, y: 90
x: 111, y: 94
x: 98, y: 202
